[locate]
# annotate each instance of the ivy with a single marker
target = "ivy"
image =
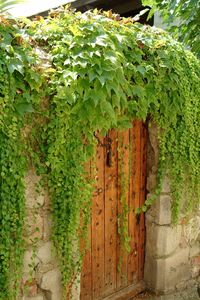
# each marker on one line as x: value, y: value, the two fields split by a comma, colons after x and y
x: 181, y: 18
x: 93, y: 72
x: 17, y: 94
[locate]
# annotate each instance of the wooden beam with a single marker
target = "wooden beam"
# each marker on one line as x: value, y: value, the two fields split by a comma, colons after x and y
x: 127, y: 293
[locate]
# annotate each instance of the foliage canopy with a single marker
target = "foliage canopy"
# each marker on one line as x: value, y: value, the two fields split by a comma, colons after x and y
x: 67, y: 77
x: 182, y: 19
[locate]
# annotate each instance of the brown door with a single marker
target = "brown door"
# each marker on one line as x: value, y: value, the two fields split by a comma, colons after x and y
x: 122, y: 154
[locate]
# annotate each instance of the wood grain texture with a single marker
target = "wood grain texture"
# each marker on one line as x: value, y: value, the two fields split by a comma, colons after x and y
x: 134, y: 203
x: 127, y: 293
x: 123, y: 171
x: 86, y: 274
x: 98, y: 230
x: 111, y: 195
x: 141, y: 250
x: 100, y: 278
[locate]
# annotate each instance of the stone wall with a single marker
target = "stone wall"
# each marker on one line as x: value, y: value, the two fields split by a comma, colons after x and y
x: 172, y: 259
x: 41, y: 278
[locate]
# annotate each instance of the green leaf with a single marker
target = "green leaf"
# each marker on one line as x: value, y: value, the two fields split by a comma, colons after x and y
x: 141, y: 70
x: 138, y: 91
x: 16, y: 65
x: 106, y: 108
x: 23, y: 108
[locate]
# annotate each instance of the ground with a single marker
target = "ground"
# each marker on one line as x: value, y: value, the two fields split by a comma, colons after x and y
x: 191, y: 294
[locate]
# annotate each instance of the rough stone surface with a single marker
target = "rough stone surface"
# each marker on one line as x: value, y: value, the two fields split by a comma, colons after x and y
x: 166, y: 186
x: 188, y: 294
x: 195, y: 249
x: 38, y: 297
x: 176, y: 269
x: 41, y: 277
x: 35, y: 226
x: 165, y: 273
x: 51, y: 281
x: 30, y: 260
x: 160, y: 211
x: 47, y: 225
x: 44, y: 252
x: 151, y: 182
x: 192, y: 229
x: 162, y: 240
x: 163, y: 206
x: 33, y: 199
x: 172, y: 259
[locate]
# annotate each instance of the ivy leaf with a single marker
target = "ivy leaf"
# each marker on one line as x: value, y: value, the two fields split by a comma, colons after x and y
x: 106, y: 108
x: 138, y: 91
x: 141, y: 70
x: 102, y: 79
x: 111, y: 56
x: 119, y: 37
x: 100, y: 41
x: 23, y: 107
x: 16, y: 65
x: 70, y: 74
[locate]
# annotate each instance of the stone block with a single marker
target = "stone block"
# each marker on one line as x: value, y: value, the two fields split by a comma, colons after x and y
x: 30, y: 261
x: 163, y: 275
x: 163, y: 207
x: 33, y: 199
x: 40, y: 200
x: 51, y: 282
x: 192, y: 229
x: 195, y: 271
x: 150, y: 271
x: 166, y: 185
x: 153, y: 138
x: 44, y: 268
x: 177, y: 267
x: 160, y: 211
x: 30, y: 287
x: 44, y: 253
x: 47, y: 226
x: 162, y: 240
x: 34, y: 226
x: 195, y: 249
x: 151, y: 182
x: 196, y: 260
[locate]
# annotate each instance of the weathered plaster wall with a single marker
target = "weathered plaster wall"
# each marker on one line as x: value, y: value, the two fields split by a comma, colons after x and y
x: 172, y: 252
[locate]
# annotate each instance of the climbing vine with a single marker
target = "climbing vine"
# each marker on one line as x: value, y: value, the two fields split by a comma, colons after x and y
x: 18, y: 85
x: 95, y: 72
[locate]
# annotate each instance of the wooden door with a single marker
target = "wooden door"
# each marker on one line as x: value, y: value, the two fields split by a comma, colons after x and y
x: 120, y: 152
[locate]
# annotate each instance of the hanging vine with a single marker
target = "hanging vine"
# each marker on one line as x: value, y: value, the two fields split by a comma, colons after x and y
x: 18, y: 85
x: 102, y: 73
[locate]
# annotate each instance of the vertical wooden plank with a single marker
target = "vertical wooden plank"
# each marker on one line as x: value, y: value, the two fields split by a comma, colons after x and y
x: 123, y: 187
x: 134, y: 202
x: 111, y: 216
x: 99, y: 274
x: 98, y: 227
x: 86, y: 274
x: 141, y: 247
